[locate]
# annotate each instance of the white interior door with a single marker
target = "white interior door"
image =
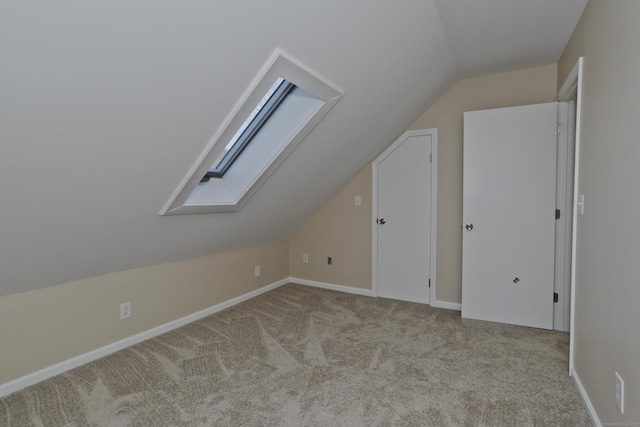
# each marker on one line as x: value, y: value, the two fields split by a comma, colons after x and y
x: 403, y: 208
x: 509, y: 215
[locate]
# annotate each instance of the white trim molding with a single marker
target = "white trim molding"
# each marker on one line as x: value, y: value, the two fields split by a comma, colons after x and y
x: 339, y: 288
x: 585, y: 398
x: 74, y: 362
x: 573, y: 86
x: 564, y: 203
x: 366, y: 292
x: 446, y: 304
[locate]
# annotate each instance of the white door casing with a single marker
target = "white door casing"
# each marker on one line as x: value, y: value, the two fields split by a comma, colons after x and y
x: 509, y: 188
x: 564, y: 204
x: 404, y: 218
x: 572, y: 89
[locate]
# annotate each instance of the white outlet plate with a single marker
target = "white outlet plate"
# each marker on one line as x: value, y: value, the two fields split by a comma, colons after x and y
x: 257, y: 271
x: 125, y: 310
x: 619, y: 393
x: 305, y: 258
x: 358, y: 201
x: 580, y: 204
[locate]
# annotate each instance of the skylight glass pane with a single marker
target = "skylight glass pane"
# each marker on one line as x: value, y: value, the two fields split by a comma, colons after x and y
x: 269, y: 102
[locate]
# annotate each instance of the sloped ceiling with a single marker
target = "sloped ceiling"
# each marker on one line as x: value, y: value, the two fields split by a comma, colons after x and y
x: 491, y: 36
x: 104, y: 106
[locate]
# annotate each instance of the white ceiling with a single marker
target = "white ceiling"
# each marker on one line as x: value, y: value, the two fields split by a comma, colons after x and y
x: 104, y: 106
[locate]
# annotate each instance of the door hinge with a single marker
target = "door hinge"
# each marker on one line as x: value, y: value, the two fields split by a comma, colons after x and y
x: 429, y: 282
x: 430, y: 157
x: 557, y: 213
x: 555, y: 297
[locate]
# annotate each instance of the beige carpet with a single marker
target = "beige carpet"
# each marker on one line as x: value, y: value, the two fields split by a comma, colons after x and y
x: 300, y: 356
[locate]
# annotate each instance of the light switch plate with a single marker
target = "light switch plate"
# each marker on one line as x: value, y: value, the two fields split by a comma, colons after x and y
x: 619, y: 393
x: 580, y: 204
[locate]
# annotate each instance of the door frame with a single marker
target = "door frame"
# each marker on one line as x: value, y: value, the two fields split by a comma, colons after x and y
x: 564, y: 199
x: 571, y: 87
x: 433, y: 132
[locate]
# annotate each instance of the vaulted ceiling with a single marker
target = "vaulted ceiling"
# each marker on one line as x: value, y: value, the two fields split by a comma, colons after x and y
x: 104, y: 107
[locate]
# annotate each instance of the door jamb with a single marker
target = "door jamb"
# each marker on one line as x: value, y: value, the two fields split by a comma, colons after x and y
x: 571, y: 87
x: 564, y: 203
x: 433, y: 132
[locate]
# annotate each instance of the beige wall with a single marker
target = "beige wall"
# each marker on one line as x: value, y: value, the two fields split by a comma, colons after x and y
x: 530, y: 86
x: 50, y: 325
x: 607, y: 318
x: 340, y: 230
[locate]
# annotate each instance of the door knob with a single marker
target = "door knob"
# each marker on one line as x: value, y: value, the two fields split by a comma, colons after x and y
x: 469, y: 227
x: 382, y: 221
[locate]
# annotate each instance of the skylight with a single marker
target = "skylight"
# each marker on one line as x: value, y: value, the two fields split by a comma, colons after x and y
x: 260, y: 114
x: 280, y: 108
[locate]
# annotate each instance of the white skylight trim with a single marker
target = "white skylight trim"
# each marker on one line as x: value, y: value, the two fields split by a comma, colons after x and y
x: 309, y: 99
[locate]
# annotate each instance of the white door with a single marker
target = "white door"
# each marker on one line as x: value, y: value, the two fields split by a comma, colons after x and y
x: 509, y: 189
x: 403, y: 208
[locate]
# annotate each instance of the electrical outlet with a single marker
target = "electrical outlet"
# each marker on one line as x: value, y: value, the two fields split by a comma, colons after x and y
x: 305, y: 258
x: 125, y: 310
x: 257, y: 271
x: 358, y: 201
x: 620, y: 393
x: 329, y: 260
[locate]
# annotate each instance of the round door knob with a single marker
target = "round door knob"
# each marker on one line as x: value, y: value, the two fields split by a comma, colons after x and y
x: 382, y: 221
x: 469, y: 227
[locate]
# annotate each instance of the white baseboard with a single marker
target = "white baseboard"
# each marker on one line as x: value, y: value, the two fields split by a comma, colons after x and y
x: 340, y: 288
x: 585, y: 398
x: 59, y: 368
x: 447, y: 305
x: 365, y: 292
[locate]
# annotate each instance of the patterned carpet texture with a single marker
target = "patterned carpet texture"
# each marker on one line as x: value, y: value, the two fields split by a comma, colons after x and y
x: 301, y: 356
